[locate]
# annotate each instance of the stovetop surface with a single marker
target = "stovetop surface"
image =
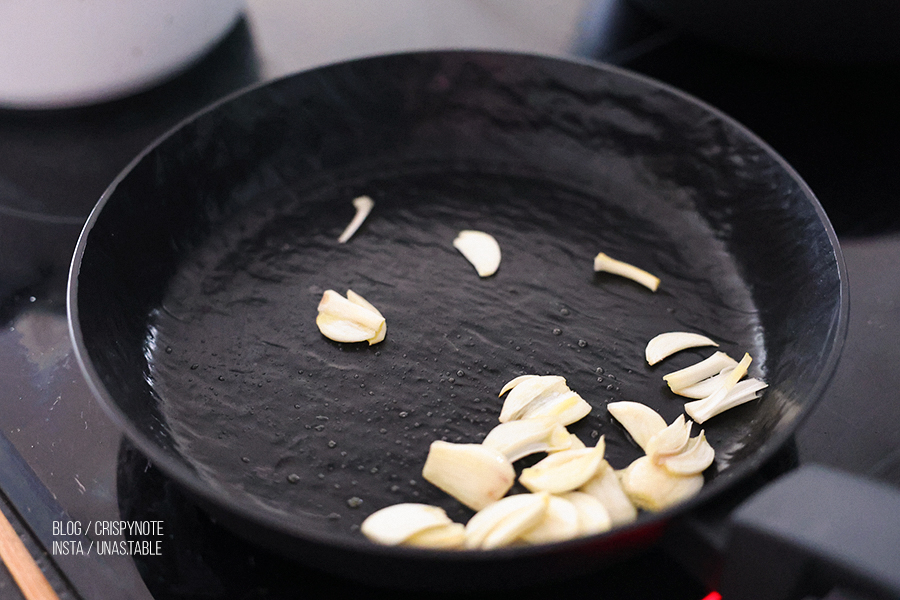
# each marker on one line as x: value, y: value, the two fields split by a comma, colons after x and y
x: 63, y: 460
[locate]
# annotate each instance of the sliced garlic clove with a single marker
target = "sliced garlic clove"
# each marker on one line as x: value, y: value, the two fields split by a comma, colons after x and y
x: 696, y: 373
x: 543, y: 396
x: 474, y: 474
x: 742, y: 392
x: 451, y: 536
x: 696, y: 457
x: 704, y: 388
x: 518, y: 439
x: 564, y: 471
x: 363, y: 206
x: 575, y: 443
x: 639, y: 420
x: 561, y: 522
x: 607, y: 489
x: 603, y: 262
x: 514, y: 382
x: 593, y: 517
x: 395, y: 524
x: 671, y: 440
x: 653, y: 488
x: 502, y: 522
x: 345, y: 320
x: 667, y: 344
x: 480, y: 249
x: 701, y: 410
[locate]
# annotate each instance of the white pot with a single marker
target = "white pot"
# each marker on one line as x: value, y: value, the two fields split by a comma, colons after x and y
x: 61, y: 53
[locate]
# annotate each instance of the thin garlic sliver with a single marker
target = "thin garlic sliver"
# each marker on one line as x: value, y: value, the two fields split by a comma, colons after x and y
x: 474, y: 474
x: 561, y: 521
x: 543, y: 396
x: 350, y: 319
x: 363, y: 206
x: 701, y: 410
x: 639, y: 420
x: 395, y: 524
x: 666, y: 344
x: 607, y: 489
x: 518, y: 439
x: 742, y: 392
x: 671, y: 440
x: 704, y: 388
x: 480, y: 249
x: 605, y: 263
x: 516, y: 381
x: 503, y: 522
x: 564, y: 471
x: 694, y: 374
x: 694, y: 459
x: 653, y: 488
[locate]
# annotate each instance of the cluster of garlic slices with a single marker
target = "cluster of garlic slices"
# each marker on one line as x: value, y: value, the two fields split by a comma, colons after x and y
x: 716, y: 384
x: 573, y: 491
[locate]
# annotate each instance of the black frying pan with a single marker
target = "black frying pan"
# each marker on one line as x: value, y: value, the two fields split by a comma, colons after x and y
x: 194, y: 288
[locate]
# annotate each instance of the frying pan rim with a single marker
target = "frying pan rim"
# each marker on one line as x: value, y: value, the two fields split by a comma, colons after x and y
x: 280, y: 523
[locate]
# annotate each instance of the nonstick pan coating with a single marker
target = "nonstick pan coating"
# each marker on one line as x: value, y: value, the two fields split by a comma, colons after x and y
x: 195, y: 284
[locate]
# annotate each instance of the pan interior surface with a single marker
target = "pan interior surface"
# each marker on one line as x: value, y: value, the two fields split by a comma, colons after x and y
x: 199, y: 324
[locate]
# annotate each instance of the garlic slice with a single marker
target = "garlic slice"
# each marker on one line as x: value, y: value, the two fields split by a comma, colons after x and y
x: 694, y: 459
x: 503, y: 522
x: 540, y: 396
x: 603, y: 262
x: 696, y: 373
x: 350, y: 319
x: 704, y: 388
x: 564, y: 471
x: 705, y: 408
x: 593, y: 517
x: 606, y: 488
x: 653, y: 488
x: 480, y: 249
x: 575, y: 443
x: 518, y: 439
x: 717, y: 403
x: 514, y: 382
x: 667, y: 344
x: 561, y: 521
x: 363, y: 206
x: 639, y: 420
x: 670, y: 441
x: 394, y: 525
x: 451, y: 536
x: 474, y: 474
